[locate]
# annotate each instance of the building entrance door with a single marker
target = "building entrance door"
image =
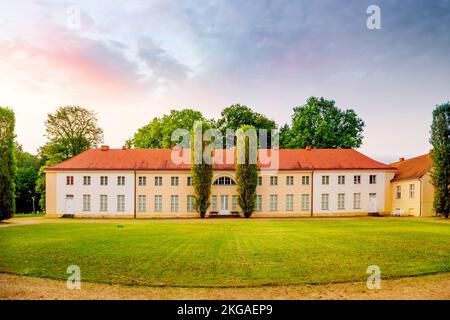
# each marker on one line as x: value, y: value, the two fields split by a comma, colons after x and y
x: 223, y: 204
x: 69, y: 204
x: 373, y: 203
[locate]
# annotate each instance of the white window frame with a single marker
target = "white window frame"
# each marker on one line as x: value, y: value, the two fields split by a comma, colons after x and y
x: 357, y: 200
x: 213, y: 203
x: 273, y: 202
x: 289, y: 180
x: 121, y: 180
x: 412, y: 191
x: 325, y: 201
x: 373, y: 179
x: 258, y: 203
x: 189, y: 181
x: 341, y: 201
x: 234, y: 202
x: 86, y: 202
x: 305, y: 201
x: 273, y: 180
x: 142, y: 203
x: 325, y: 180
x: 357, y: 179
x: 289, y: 202
x: 142, y: 180
x: 341, y: 179
x: 86, y: 180
x: 69, y: 180
x: 398, y: 192
x: 157, y: 205
x: 174, y: 203
x: 305, y: 180
x: 190, y: 203
x: 174, y: 181
x: 103, y: 202
x: 103, y: 180
x: 158, y: 181
x: 120, y: 203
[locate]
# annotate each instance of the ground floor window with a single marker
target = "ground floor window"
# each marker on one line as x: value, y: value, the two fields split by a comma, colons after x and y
x: 412, y: 191
x: 190, y: 203
x: 174, y: 203
x: 86, y: 202
x: 120, y: 203
x: 103, y: 202
x: 273, y: 202
x: 234, y: 203
x: 158, y: 203
x: 305, y: 201
x: 258, y: 203
x: 324, y: 202
x: 398, y: 192
x: 341, y: 201
x: 357, y: 201
x: 214, y: 203
x: 142, y: 203
x: 289, y: 202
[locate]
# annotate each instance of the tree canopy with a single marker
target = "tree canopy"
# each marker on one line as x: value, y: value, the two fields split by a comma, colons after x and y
x: 7, y: 164
x: 320, y: 124
x: 27, y: 174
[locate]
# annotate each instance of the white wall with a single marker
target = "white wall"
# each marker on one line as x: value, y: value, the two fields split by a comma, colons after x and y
x: 349, y: 188
x: 95, y: 190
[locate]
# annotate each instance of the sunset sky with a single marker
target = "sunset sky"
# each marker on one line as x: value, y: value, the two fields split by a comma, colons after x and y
x: 133, y: 62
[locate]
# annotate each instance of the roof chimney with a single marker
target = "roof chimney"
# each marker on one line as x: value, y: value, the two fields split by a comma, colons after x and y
x: 401, y: 159
x: 104, y: 148
x: 308, y: 148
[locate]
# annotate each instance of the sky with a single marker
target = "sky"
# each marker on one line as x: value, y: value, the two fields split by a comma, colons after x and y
x: 131, y: 61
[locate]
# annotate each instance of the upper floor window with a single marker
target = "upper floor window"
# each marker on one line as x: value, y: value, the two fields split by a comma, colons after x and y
x: 290, y: 180
x: 158, y: 181
x: 412, y: 191
x: 357, y: 179
x: 305, y: 180
x: 189, y: 181
x: 372, y: 179
x: 103, y: 180
x: 121, y: 181
x: 341, y: 179
x: 259, y: 181
x: 174, y: 181
x: 398, y: 192
x: 142, y: 181
x: 69, y: 180
x: 224, y: 181
x: 273, y: 180
x: 86, y: 180
x: 325, y: 179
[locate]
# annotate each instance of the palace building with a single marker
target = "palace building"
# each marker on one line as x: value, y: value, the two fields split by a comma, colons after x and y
x: 144, y: 183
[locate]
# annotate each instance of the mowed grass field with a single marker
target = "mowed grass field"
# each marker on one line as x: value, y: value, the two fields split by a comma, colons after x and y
x: 239, y: 252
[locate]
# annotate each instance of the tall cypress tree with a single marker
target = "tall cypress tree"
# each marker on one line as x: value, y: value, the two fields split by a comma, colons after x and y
x: 440, y: 173
x: 7, y: 164
x: 247, y: 169
x: 201, y: 168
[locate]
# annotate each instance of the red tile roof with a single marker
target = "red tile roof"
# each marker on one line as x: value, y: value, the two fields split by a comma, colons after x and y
x: 413, y: 168
x: 160, y: 159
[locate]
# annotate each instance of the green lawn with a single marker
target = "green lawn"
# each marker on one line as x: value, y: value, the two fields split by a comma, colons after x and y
x: 226, y: 253
x: 28, y: 215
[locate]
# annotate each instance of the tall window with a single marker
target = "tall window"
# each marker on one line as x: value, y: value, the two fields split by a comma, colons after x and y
x: 173, y: 203
x: 158, y: 203
x: 213, y: 203
x: 86, y: 202
x: 273, y: 202
x: 290, y: 180
x: 341, y: 201
x: 174, y: 181
x: 259, y: 181
x: 103, y: 202
x: 142, y: 181
x: 224, y: 181
x: 158, y: 181
x: 305, y: 201
x: 69, y: 180
x: 373, y: 179
x: 234, y: 202
x: 190, y: 203
x: 398, y: 192
x: 357, y: 201
x: 142, y: 203
x: 86, y: 180
x: 341, y: 179
x: 357, y: 179
x: 189, y: 181
x: 324, y: 202
x: 258, y: 203
x: 325, y: 179
x: 289, y: 202
x: 103, y: 180
x: 412, y: 191
x: 120, y: 180
x: 273, y: 180
x: 120, y: 203
x: 305, y: 180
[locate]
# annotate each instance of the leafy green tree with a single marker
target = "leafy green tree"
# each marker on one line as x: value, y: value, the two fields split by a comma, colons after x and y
x: 7, y: 164
x: 27, y: 174
x: 246, y: 169
x: 440, y: 173
x: 158, y: 133
x: 201, y: 168
x: 70, y: 131
x: 235, y: 116
x: 320, y: 124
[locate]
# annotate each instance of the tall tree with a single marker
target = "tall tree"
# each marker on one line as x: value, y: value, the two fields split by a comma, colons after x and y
x: 319, y: 123
x: 247, y: 169
x: 27, y: 174
x: 440, y: 173
x: 201, y: 168
x: 7, y: 164
x: 70, y: 131
x: 158, y: 133
x: 236, y: 116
